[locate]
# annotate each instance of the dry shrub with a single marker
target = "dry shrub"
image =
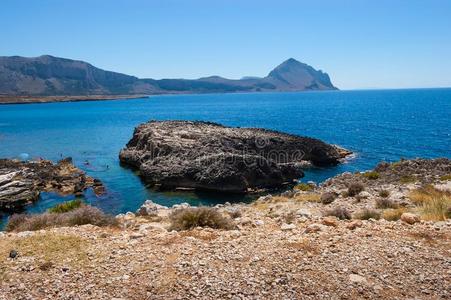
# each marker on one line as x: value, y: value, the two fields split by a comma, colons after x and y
x: 384, y: 203
x: 328, y: 197
x: 80, y: 216
x: 407, y: 179
x: 235, y: 213
x: 290, y: 217
x: 355, y: 188
x: 384, y: 193
x: 192, y: 217
x: 393, y: 214
x: 445, y: 177
x: 339, y: 212
x: 367, y: 214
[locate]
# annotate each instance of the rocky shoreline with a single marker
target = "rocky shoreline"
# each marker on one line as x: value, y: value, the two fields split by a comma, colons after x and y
x: 299, y: 244
x: 18, y: 99
x: 22, y: 182
x: 209, y: 156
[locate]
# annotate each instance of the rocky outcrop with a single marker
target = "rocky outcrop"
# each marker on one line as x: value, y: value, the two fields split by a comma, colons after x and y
x: 209, y: 156
x: 22, y: 182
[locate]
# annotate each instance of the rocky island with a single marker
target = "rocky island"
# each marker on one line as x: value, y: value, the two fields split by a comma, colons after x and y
x: 213, y: 157
x: 22, y: 182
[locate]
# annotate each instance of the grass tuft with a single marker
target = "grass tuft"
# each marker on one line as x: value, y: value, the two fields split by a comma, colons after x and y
x: 445, y: 177
x: 367, y: 214
x: 192, y: 217
x: 303, y: 187
x: 393, y: 214
x: 373, y: 175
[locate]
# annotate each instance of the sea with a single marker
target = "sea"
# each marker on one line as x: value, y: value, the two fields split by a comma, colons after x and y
x: 377, y: 125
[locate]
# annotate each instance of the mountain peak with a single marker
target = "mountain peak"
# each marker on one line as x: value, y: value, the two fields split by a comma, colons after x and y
x: 295, y: 75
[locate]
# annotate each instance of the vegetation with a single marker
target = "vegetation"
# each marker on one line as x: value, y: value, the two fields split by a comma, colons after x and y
x: 66, y: 206
x: 393, y: 214
x: 371, y: 175
x: 80, y: 216
x: 303, y: 187
x: 433, y: 204
x: 328, y: 197
x: 192, y: 217
x: 367, y: 214
x: 384, y: 193
x: 339, y: 212
x: 407, y: 179
x: 384, y: 203
x: 310, y: 197
x: 445, y: 177
x: 355, y: 188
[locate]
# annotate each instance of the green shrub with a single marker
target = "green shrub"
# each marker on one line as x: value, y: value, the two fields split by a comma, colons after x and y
x: 66, y: 206
x: 80, y: 216
x: 367, y: 214
x: 384, y: 203
x: 303, y: 187
x: 192, y: 217
x: 339, y: 212
x: 355, y: 188
x: 371, y: 175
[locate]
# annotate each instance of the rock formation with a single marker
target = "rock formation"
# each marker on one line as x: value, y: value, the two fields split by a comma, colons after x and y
x: 209, y: 156
x: 22, y: 182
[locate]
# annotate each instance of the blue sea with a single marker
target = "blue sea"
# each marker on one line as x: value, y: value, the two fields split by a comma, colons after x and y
x: 376, y: 124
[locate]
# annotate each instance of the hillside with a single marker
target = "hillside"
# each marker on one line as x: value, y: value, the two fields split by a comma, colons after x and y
x: 53, y: 76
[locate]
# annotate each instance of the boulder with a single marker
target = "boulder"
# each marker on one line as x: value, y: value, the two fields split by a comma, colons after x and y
x: 410, y: 218
x: 209, y: 156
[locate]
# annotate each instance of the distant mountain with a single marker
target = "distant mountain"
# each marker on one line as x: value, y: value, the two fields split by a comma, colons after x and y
x: 53, y: 76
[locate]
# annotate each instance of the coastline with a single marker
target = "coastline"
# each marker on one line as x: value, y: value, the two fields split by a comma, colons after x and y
x: 51, y: 99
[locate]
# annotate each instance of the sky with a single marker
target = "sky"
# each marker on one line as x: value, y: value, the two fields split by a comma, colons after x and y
x: 360, y: 44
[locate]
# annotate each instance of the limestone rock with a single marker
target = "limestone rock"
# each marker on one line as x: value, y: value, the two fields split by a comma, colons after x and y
x: 209, y: 156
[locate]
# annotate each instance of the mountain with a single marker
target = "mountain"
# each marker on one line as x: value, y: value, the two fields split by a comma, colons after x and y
x: 53, y: 76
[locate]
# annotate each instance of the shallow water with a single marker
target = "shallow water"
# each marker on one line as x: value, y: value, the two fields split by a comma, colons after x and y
x: 376, y: 125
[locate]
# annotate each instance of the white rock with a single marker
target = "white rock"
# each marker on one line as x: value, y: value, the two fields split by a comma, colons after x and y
x: 354, y: 278
x: 304, y: 213
x: 287, y: 226
x: 259, y: 222
x: 365, y: 194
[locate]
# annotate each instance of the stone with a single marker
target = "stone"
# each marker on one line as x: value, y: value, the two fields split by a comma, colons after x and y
x: 314, y: 228
x: 410, y: 218
x: 13, y: 254
x: 354, y: 224
x: 303, y: 212
x: 364, y: 194
x: 354, y: 278
x: 286, y: 227
x: 330, y: 221
x: 209, y: 156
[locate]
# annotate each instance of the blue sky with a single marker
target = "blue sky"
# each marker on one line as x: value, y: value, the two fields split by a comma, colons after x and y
x: 361, y: 44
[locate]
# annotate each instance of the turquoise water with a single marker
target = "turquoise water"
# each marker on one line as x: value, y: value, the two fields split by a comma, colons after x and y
x: 377, y: 125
